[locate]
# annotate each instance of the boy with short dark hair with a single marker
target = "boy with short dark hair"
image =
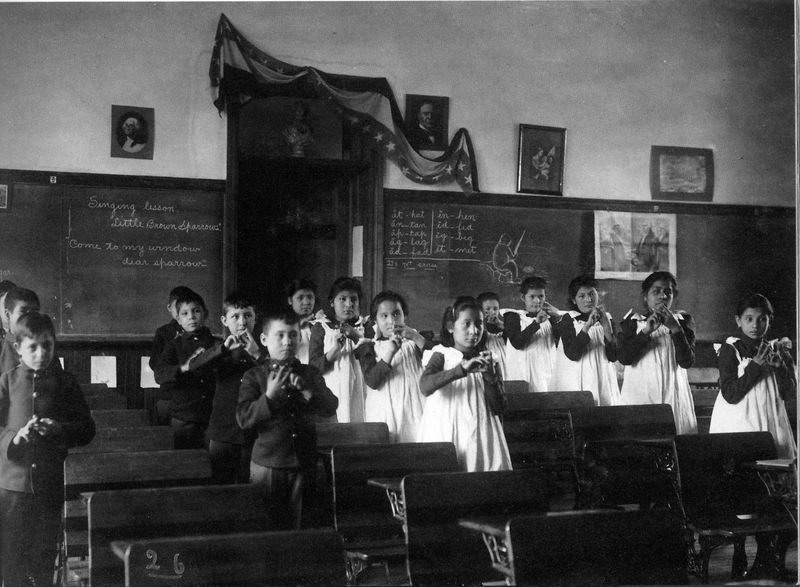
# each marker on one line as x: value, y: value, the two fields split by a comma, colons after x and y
x: 192, y: 392
x: 227, y: 361
x: 165, y: 335
x: 280, y: 399
x: 42, y: 414
x: 19, y: 301
x: 531, y: 347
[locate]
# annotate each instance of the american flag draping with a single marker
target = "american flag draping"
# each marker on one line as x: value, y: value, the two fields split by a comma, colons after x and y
x: 241, y: 71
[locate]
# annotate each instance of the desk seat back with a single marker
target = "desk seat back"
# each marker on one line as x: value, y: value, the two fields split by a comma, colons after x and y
x: 119, y: 418
x: 362, y: 512
x: 617, y: 422
x: 309, y: 557
x: 138, y: 514
x: 597, y: 547
x: 114, y: 470
x: 551, y: 400
x: 338, y: 433
x: 129, y: 439
x: 713, y: 482
x: 440, y: 551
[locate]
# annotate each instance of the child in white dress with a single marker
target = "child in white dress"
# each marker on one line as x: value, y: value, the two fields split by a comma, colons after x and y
x: 301, y: 294
x: 531, y: 347
x: 495, y: 338
x: 392, y: 366
x: 657, y: 348
x: 587, y: 346
x: 465, y: 395
x: 756, y: 378
x: 334, y: 338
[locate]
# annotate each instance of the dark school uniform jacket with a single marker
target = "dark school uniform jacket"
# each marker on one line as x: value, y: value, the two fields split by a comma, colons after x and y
x: 575, y: 344
x: 192, y: 391
x: 287, y: 436
x: 734, y: 388
x: 38, y: 467
x: 227, y: 368
x: 164, y: 336
x: 519, y: 337
x: 632, y: 346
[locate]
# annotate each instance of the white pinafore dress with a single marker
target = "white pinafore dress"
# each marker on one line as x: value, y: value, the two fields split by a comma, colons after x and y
x: 459, y: 413
x: 398, y: 402
x: 656, y: 378
x: 762, y: 409
x: 593, y: 372
x: 497, y: 345
x: 345, y: 379
x: 304, y: 343
x: 535, y: 362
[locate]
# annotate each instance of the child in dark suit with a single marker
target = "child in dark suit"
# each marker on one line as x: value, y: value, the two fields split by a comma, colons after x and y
x: 42, y: 414
x: 281, y: 399
x: 192, y: 392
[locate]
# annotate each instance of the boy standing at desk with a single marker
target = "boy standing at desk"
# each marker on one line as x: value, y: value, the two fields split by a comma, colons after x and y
x: 19, y: 301
x: 164, y: 336
x: 280, y: 399
x: 42, y: 414
x: 230, y: 359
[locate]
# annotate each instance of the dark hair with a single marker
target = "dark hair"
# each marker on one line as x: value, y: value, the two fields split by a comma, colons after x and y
x: 6, y: 286
x: 34, y: 324
x: 576, y: 284
x: 191, y: 297
x: 755, y: 301
x: 532, y: 282
x: 445, y: 337
x: 486, y: 296
x: 660, y: 276
x: 345, y: 284
x: 237, y: 299
x: 179, y: 291
x: 296, y: 285
x: 18, y: 295
x: 387, y: 296
x: 275, y: 313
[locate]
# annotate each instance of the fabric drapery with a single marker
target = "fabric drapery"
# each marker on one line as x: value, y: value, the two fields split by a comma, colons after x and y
x: 240, y: 71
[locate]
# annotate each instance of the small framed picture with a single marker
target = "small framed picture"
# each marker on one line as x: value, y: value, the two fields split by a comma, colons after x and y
x: 133, y: 132
x: 427, y: 122
x: 681, y: 173
x: 542, y: 151
x: 5, y: 200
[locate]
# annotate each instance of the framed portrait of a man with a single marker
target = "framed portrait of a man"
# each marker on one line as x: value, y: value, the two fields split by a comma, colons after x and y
x: 632, y: 245
x: 132, y: 132
x: 426, y: 122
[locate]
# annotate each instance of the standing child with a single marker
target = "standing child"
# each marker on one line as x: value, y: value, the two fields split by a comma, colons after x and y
x: 165, y: 335
x: 531, y: 348
x: 657, y: 348
x: 756, y: 378
x: 227, y: 361
x: 490, y: 304
x: 333, y: 342
x: 280, y: 400
x: 392, y: 365
x: 465, y: 395
x: 302, y: 297
x: 19, y: 301
x: 192, y: 392
x: 5, y: 287
x: 587, y: 345
x: 42, y: 415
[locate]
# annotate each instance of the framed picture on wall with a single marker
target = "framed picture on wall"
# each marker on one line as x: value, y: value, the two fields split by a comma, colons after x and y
x: 133, y: 132
x: 631, y: 245
x: 427, y: 122
x: 681, y: 173
x: 540, y: 168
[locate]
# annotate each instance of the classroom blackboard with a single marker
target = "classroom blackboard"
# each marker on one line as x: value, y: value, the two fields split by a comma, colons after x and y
x: 438, y: 245
x: 103, y: 258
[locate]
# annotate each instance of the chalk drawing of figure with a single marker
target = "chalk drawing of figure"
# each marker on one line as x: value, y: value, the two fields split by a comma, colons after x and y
x: 504, y: 259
